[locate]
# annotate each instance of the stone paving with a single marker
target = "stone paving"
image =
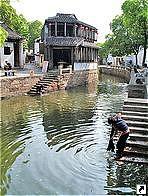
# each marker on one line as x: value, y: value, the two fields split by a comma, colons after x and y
x: 22, y: 72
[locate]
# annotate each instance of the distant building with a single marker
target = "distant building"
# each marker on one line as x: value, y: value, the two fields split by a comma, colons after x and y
x: 12, y: 51
x: 68, y: 40
x: 39, y: 57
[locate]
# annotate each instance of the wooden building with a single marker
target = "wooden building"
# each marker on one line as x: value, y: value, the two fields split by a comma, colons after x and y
x: 66, y: 39
x: 12, y: 51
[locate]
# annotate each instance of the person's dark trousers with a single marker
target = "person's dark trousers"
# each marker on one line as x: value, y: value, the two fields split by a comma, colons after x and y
x: 121, y: 144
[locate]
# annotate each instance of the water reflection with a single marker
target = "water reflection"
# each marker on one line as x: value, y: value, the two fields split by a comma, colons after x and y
x: 122, y: 177
x: 56, y: 144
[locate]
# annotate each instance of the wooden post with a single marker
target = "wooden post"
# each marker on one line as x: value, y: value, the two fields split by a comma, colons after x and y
x: 55, y: 28
x: 65, y: 29
x: 81, y: 57
x: 72, y: 55
x: 49, y: 29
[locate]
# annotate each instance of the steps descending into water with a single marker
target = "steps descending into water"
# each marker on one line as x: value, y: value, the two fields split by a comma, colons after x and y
x: 135, y: 113
x: 46, y: 81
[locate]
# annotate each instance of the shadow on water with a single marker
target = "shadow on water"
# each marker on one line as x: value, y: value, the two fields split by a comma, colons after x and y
x: 56, y: 144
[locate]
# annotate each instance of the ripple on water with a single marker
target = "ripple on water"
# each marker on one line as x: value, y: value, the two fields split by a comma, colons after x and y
x: 56, y: 144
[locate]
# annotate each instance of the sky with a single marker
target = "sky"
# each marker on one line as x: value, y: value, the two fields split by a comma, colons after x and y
x: 98, y: 13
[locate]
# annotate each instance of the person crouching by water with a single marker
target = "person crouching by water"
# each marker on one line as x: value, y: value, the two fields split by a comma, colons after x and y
x: 118, y: 124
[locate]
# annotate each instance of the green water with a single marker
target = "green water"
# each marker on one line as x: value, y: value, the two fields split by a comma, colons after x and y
x: 56, y: 144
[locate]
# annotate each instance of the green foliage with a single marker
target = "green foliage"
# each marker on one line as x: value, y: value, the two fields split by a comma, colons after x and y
x: 129, y: 31
x: 28, y: 30
x: 3, y: 36
x: 135, y: 19
x: 35, y: 32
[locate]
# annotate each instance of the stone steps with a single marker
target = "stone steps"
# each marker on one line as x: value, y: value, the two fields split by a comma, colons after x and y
x: 138, y: 144
x: 134, y: 108
x: 135, y: 152
x: 135, y: 113
x: 138, y: 137
x: 135, y: 118
x: 135, y: 101
x: 134, y: 159
x: 137, y: 124
x: 46, y: 81
x: 141, y: 130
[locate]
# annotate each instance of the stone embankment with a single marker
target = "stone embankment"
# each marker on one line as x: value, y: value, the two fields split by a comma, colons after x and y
x: 117, y: 71
x: 14, y: 86
x: 52, y: 81
x: 135, y: 113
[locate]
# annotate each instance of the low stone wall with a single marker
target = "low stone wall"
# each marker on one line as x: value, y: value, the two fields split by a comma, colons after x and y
x: 138, y: 91
x: 13, y: 86
x: 77, y: 78
x: 116, y: 71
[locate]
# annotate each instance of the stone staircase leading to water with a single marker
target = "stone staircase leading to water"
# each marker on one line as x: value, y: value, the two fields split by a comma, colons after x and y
x: 135, y: 113
x: 46, y: 81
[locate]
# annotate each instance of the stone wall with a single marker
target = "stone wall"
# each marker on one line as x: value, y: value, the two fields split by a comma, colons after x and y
x: 116, y: 71
x: 13, y: 86
x: 77, y: 78
x: 21, y: 85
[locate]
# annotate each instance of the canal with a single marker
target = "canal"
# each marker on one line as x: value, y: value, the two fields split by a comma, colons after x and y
x: 56, y: 144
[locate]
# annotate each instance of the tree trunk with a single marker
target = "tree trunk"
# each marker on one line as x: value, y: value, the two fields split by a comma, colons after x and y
x: 136, y: 55
x: 145, y: 43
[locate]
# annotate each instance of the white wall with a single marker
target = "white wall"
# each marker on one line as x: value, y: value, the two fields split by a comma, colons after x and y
x: 139, y: 57
x: 9, y: 58
x: 36, y: 52
x: 84, y: 66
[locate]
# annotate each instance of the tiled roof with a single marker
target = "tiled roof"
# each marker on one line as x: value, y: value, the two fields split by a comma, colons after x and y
x: 11, y: 34
x: 65, y: 41
x: 67, y: 18
x: 70, y: 18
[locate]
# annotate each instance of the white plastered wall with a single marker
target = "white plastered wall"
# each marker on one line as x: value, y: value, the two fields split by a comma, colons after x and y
x: 9, y: 58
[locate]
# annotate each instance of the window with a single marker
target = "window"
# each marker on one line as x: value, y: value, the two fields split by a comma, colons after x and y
x: 60, y: 29
x: 7, y: 51
x: 70, y: 30
x: 52, y: 30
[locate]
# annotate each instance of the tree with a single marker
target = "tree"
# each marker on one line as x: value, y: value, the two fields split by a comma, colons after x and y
x: 135, y: 19
x: 125, y: 41
x: 16, y: 22
x: 129, y: 31
x: 3, y: 36
x: 28, y: 30
x: 34, y: 32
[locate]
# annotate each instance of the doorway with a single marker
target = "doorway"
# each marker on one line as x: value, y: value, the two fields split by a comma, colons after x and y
x: 16, y: 54
x: 61, y: 55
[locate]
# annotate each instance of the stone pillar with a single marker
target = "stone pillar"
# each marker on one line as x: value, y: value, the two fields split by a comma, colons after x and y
x: 56, y: 28
x: 65, y: 29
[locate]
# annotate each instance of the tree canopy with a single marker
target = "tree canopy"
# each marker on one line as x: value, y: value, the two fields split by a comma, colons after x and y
x: 28, y: 30
x: 3, y: 36
x: 129, y: 30
x: 34, y: 32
